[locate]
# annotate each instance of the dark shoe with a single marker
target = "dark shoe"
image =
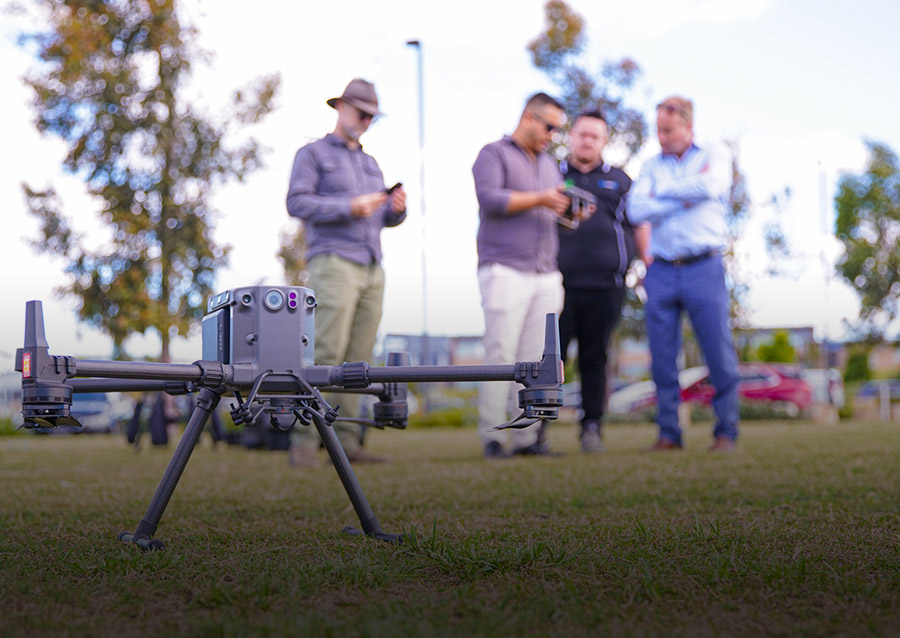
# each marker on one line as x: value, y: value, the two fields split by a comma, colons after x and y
x: 493, y: 450
x: 362, y: 455
x: 303, y: 457
x: 591, y: 440
x: 722, y: 444
x: 538, y: 448
x: 663, y: 445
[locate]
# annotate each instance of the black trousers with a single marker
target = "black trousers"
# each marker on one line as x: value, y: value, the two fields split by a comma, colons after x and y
x: 589, y: 317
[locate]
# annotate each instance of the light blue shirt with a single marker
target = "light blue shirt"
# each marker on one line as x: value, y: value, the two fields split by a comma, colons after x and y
x: 685, y: 199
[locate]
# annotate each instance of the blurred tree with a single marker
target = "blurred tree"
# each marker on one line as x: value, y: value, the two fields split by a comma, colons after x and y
x: 110, y: 84
x: 556, y: 50
x: 778, y: 350
x: 738, y: 208
x: 292, y: 253
x: 868, y: 226
x: 747, y: 353
x: 858, y: 363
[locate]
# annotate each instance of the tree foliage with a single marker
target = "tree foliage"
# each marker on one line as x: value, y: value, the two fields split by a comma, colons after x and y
x: 556, y: 51
x: 858, y: 364
x: 868, y: 226
x: 738, y: 207
x: 778, y: 350
x: 110, y: 84
x: 292, y: 253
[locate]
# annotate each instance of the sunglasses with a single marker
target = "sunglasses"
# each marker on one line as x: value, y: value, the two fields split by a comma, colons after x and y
x: 671, y: 109
x: 551, y: 128
x: 363, y: 115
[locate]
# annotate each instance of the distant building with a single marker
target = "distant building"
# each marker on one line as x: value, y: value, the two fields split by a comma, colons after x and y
x: 801, y: 338
x: 436, y: 351
x: 885, y: 359
x: 629, y: 358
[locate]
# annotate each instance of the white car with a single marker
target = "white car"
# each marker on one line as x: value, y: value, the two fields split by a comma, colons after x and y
x: 641, y: 395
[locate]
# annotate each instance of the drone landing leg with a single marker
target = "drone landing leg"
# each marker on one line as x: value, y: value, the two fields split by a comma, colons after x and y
x: 143, y: 536
x: 367, y: 519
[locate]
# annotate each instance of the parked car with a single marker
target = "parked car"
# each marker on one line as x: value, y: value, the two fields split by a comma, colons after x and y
x: 872, y: 389
x: 642, y: 394
x: 826, y: 384
x: 780, y: 386
x: 97, y: 412
x: 572, y: 393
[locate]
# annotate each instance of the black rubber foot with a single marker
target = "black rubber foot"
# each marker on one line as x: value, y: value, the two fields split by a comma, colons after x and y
x: 146, y: 544
x: 382, y: 536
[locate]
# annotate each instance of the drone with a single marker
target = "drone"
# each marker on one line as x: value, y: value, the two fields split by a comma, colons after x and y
x: 258, y: 345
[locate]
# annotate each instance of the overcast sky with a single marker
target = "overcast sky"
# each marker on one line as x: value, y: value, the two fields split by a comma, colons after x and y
x: 798, y: 84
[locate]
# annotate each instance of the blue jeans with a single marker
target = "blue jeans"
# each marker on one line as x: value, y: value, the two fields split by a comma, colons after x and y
x: 699, y: 289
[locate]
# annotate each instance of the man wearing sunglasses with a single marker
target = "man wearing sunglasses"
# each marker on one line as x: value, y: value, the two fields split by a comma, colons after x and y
x: 683, y: 194
x: 339, y: 193
x: 519, y: 190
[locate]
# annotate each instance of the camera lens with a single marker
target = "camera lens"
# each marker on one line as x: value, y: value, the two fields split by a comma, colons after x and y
x: 274, y: 300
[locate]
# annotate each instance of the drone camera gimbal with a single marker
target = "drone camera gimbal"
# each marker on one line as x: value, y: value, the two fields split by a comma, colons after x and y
x: 260, y: 341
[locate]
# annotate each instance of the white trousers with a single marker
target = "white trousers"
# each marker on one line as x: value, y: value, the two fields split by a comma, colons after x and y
x: 515, y: 306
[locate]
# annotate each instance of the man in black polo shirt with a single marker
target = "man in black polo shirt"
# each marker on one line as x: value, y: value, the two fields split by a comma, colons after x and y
x: 593, y: 260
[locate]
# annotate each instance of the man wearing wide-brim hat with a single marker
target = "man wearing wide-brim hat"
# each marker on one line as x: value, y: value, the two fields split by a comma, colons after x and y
x: 339, y: 193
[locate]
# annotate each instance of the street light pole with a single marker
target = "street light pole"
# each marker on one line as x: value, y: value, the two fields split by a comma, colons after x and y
x: 418, y: 47
x: 425, y: 354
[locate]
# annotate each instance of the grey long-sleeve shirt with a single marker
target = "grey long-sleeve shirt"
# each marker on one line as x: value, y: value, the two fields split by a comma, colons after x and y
x: 526, y: 240
x: 325, y: 177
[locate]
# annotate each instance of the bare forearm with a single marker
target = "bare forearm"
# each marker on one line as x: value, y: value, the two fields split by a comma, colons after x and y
x: 520, y: 201
x: 642, y: 242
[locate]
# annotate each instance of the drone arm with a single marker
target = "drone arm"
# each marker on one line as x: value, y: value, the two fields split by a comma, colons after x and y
x: 413, y: 374
x: 138, y: 370
x: 130, y: 385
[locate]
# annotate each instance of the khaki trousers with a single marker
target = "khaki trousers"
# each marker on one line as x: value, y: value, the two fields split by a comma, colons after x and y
x: 349, y: 306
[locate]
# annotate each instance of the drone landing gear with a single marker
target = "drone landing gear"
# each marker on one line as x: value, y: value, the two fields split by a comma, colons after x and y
x: 207, y: 401
x: 367, y: 518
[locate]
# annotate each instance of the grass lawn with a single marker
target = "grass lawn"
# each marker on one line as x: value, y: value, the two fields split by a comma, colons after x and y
x: 798, y: 532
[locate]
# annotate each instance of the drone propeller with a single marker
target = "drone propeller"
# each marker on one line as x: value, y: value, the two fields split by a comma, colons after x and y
x: 518, y: 423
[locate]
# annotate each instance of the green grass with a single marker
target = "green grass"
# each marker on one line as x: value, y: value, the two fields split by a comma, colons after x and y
x: 798, y: 532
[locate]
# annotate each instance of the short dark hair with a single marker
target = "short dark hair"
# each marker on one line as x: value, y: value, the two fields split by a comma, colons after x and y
x: 542, y: 99
x: 593, y: 113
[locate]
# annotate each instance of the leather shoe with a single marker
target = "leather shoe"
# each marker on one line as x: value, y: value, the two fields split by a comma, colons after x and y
x: 663, y: 445
x: 722, y: 444
x: 362, y: 455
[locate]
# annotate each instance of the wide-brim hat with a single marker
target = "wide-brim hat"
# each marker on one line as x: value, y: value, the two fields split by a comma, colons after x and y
x: 361, y: 94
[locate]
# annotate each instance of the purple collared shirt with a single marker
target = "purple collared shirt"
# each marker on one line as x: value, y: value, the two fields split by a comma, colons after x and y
x: 325, y: 177
x: 527, y: 240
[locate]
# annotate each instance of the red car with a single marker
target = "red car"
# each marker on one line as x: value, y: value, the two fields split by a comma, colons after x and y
x: 778, y: 385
